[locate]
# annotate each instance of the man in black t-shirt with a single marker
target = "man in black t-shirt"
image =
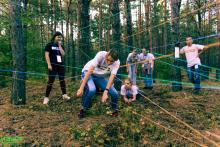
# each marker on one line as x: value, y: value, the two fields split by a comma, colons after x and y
x: 54, y: 53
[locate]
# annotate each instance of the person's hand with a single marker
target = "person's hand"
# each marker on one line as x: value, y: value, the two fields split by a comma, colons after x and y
x: 79, y: 93
x: 50, y: 68
x: 105, y: 96
x: 126, y: 100
x: 59, y: 43
x: 132, y: 100
x: 127, y: 70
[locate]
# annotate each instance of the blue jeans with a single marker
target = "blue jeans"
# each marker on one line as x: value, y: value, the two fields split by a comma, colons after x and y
x: 148, y: 80
x: 132, y: 73
x: 90, y: 90
x: 194, y: 76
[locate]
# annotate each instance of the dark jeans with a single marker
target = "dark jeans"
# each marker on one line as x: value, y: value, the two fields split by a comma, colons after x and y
x: 60, y: 70
x: 148, y: 77
x: 194, y: 76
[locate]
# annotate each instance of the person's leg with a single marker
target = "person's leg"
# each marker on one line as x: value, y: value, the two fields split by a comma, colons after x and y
x: 102, y: 83
x: 142, y: 72
x: 130, y: 72
x: 150, y: 79
x: 197, y: 78
x: 144, y: 75
x: 133, y: 74
x: 51, y: 79
x: 190, y: 74
x: 89, y: 91
x: 61, y: 73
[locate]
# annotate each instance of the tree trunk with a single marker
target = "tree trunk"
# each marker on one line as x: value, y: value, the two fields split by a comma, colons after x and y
x: 116, y: 34
x: 150, y: 30
x: 72, y: 45
x: 218, y: 48
x: 84, y: 28
x: 18, y: 52
x: 100, y: 26
x: 165, y: 28
x: 129, y: 25
x: 139, y: 26
x: 175, y: 13
x: 67, y: 56
x: 61, y: 14
x: 109, y: 27
x: 54, y: 16
x: 48, y: 22
x: 41, y: 29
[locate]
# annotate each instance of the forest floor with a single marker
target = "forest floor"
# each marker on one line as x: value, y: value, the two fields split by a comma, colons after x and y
x: 35, y: 124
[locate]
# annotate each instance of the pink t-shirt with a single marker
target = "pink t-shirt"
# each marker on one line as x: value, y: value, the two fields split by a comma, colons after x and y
x: 192, y: 54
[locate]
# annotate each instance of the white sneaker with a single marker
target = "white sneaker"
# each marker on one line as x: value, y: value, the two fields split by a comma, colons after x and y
x: 66, y: 97
x: 46, y: 100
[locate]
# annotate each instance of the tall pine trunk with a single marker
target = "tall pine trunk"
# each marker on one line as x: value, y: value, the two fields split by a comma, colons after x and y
x: 61, y: 15
x: 67, y: 57
x: 175, y: 13
x: 165, y: 28
x: 108, y: 38
x: 18, y: 52
x: 84, y: 28
x: 116, y: 34
x: 148, y: 19
x: 218, y: 48
x: 100, y: 26
x: 129, y: 25
x: 72, y: 45
x: 139, y: 26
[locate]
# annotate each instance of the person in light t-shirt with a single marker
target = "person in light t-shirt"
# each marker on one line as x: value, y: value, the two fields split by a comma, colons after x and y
x: 192, y: 52
x: 132, y: 59
x: 129, y: 91
x: 94, y: 76
x: 147, y: 67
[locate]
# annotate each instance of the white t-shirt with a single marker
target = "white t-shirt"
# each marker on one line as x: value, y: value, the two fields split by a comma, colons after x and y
x: 149, y: 57
x: 192, y: 53
x: 130, y: 92
x: 101, y: 68
x: 132, y: 59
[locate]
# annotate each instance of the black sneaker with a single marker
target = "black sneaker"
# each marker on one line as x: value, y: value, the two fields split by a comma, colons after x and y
x: 81, y: 114
x: 115, y: 113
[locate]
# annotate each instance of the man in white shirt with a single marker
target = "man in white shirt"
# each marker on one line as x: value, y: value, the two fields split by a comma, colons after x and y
x: 193, y: 61
x: 94, y: 74
x: 132, y: 59
x: 147, y: 67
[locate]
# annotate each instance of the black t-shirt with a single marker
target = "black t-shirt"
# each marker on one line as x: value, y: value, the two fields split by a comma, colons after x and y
x: 54, y: 51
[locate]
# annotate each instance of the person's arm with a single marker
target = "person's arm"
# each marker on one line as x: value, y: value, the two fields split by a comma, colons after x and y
x: 128, y: 66
x: 152, y: 64
x: 135, y: 92
x: 182, y: 51
x: 200, y: 49
x: 134, y: 98
x: 84, y: 81
x: 109, y: 84
x: 127, y: 63
x: 153, y: 58
x: 48, y: 60
x: 126, y: 99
